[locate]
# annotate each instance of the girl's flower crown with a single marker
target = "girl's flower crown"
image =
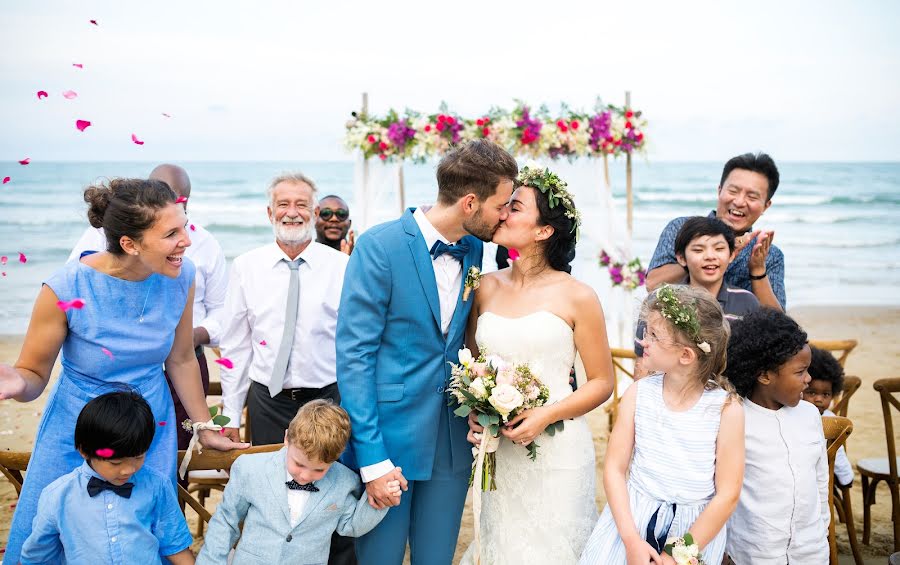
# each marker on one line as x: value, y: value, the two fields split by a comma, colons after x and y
x: 554, y: 187
x: 684, y: 316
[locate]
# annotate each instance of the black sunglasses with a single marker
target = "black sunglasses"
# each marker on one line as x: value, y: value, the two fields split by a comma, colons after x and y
x: 341, y: 213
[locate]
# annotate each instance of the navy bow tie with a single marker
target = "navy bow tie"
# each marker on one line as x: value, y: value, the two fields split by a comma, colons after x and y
x: 95, y: 486
x: 457, y: 251
x: 308, y: 487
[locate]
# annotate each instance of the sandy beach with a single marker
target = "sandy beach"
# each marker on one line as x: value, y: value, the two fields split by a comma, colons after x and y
x: 877, y: 356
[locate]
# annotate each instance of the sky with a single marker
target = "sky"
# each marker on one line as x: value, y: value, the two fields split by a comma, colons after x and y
x: 276, y: 80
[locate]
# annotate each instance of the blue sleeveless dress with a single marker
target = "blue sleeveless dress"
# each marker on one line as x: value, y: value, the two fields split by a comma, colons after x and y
x: 111, y: 320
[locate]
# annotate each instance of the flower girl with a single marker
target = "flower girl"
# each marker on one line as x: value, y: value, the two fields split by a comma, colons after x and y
x: 682, y: 432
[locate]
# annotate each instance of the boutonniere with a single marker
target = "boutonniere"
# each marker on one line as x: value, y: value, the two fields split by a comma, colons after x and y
x: 473, y: 281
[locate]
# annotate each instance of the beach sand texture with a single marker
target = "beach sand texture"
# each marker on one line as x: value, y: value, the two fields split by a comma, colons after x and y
x: 877, y: 356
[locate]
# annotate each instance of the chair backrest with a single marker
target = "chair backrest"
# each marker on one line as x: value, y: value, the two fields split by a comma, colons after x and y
x: 12, y: 464
x: 888, y: 389
x: 842, y: 402
x: 212, y: 460
x: 836, y: 430
x: 622, y: 363
x: 840, y: 347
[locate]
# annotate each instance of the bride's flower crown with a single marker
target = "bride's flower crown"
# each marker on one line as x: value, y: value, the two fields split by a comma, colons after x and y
x: 549, y: 183
x: 684, y: 316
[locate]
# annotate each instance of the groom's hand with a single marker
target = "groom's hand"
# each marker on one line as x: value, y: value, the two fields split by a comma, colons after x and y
x: 380, y: 491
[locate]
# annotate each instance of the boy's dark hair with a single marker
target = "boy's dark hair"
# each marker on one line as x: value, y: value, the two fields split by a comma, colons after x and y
x: 700, y: 226
x: 119, y: 421
x: 756, y: 163
x: 476, y: 167
x: 763, y: 341
x: 824, y: 367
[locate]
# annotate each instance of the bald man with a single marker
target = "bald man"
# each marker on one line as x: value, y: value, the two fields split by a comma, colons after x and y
x: 210, y: 281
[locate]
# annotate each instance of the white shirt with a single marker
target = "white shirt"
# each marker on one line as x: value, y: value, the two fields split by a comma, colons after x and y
x: 782, y: 515
x: 296, y: 501
x: 254, y: 321
x: 210, y: 281
x: 843, y: 470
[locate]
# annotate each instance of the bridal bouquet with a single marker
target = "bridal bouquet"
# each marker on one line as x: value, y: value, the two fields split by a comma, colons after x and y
x: 496, y: 391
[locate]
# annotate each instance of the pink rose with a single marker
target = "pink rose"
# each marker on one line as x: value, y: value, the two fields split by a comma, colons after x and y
x: 479, y: 369
x: 506, y: 376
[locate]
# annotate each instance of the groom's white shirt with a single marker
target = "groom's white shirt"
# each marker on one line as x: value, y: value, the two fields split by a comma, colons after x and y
x: 448, y: 276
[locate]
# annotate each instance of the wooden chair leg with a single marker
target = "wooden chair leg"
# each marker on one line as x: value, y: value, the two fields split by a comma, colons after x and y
x: 895, y: 510
x: 851, y: 527
x: 868, y: 501
x: 201, y: 496
x: 839, y: 503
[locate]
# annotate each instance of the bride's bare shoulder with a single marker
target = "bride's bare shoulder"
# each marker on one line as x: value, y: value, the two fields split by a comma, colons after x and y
x: 581, y: 293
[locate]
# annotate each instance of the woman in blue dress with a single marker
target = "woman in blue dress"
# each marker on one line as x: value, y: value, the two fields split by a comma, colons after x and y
x: 136, y: 316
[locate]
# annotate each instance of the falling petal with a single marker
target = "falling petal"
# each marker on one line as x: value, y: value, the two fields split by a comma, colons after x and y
x: 193, y: 227
x: 166, y: 115
x: 3, y: 260
x: 42, y: 94
x: 70, y: 94
x: 22, y: 258
x: 94, y: 22
x: 78, y: 65
x: 25, y: 161
x: 5, y: 180
x: 77, y: 304
x: 106, y: 352
x: 513, y: 254
x: 163, y: 423
x: 4, y: 273
x: 82, y: 124
x: 105, y: 452
x: 263, y: 343
x: 225, y: 362
x: 135, y: 139
x: 181, y: 199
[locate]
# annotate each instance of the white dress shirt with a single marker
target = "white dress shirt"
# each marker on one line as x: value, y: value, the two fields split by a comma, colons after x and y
x: 296, y: 501
x: 210, y: 281
x: 843, y: 470
x: 254, y: 321
x: 782, y: 515
x: 448, y: 276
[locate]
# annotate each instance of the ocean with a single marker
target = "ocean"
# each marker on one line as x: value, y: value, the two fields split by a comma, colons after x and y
x: 838, y: 224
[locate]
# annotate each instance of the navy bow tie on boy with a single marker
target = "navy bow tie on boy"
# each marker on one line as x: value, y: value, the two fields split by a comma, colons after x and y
x: 457, y: 251
x: 95, y: 486
x: 294, y: 485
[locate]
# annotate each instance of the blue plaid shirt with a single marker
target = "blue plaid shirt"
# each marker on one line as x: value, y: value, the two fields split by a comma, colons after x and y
x: 738, y: 272
x: 74, y: 527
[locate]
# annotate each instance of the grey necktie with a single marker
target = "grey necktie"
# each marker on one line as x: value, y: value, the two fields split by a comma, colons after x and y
x: 276, y: 383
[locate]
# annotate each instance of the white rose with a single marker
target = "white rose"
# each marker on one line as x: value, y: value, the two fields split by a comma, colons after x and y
x: 682, y: 554
x: 495, y: 361
x: 506, y: 375
x: 505, y: 399
x: 477, y: 388
x: 465, y: 357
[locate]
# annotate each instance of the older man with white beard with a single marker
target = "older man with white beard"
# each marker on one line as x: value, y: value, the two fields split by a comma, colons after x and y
x: 280, y: 318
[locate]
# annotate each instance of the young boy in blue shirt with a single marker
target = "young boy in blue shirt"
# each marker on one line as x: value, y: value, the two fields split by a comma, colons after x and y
x: 110, y: 509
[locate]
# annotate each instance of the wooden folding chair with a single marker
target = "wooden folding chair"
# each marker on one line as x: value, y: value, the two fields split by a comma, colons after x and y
x: 836, y: 430
x: 841, y: 348
x: 12, y: 464
x: 211, y: 459
x: 879, y: 469
x: 621, y: 365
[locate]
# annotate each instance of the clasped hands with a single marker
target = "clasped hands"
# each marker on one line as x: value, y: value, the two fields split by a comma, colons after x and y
x: 385, y: 491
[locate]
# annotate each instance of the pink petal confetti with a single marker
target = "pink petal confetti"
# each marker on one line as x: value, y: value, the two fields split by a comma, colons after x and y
x: 4, y: 273
x: 94, y: 22
x: 106, y: 352
x: 22, y: 258
x: 78, y: 65
x: 70, y: 94
x: 82, y: 124
x: 263, y: 343
x: 25, y: 161
x: 163, y: 423
x: 3, y: 260
x: 225, y: 362
x: 105, y: 452
x: 135, y: 139
x: 193, y: 227
x: 76, y: 303
x: 42, y: 94
x: 513, y: 254
x: 166, y: 115
x: 181, y: 199
x: 6, y: 180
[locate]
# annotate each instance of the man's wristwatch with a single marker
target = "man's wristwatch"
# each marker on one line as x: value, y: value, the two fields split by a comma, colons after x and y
x: 759, y: 277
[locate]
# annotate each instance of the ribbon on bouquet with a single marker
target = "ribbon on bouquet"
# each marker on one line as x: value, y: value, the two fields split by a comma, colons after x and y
x: 488, y: 444
x: 197, y: 427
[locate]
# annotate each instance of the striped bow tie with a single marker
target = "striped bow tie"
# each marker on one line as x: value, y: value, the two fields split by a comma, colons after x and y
x: 294, y: 485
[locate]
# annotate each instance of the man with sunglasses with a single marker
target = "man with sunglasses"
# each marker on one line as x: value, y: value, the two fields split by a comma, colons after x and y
x: 333, y: 224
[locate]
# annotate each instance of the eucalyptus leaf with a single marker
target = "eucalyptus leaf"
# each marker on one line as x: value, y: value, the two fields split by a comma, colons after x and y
x: 494, y: 429
x: 462, y: 411
x: 551, y: 430
x: 495, y: 418
x: 484, y: 420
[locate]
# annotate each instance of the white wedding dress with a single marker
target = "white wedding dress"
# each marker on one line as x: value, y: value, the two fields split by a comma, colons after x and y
x: 542, y: 511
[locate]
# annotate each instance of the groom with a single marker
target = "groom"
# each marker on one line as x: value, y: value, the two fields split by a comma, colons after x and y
x: 402, y: 321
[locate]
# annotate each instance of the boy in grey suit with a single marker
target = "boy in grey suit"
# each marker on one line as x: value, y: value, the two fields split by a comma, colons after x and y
x: 292, y: 500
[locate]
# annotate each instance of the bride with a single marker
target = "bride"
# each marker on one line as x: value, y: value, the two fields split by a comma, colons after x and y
x: 536, y: 312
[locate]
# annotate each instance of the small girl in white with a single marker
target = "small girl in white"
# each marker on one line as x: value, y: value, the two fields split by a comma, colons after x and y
x: 679, y: 436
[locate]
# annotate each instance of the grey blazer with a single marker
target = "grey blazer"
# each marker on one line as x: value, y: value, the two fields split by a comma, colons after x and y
x: 256, y: 495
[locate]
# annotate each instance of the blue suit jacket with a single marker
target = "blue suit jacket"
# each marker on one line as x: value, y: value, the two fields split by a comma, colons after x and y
x: 256, y: 494
x: 392, y: 358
